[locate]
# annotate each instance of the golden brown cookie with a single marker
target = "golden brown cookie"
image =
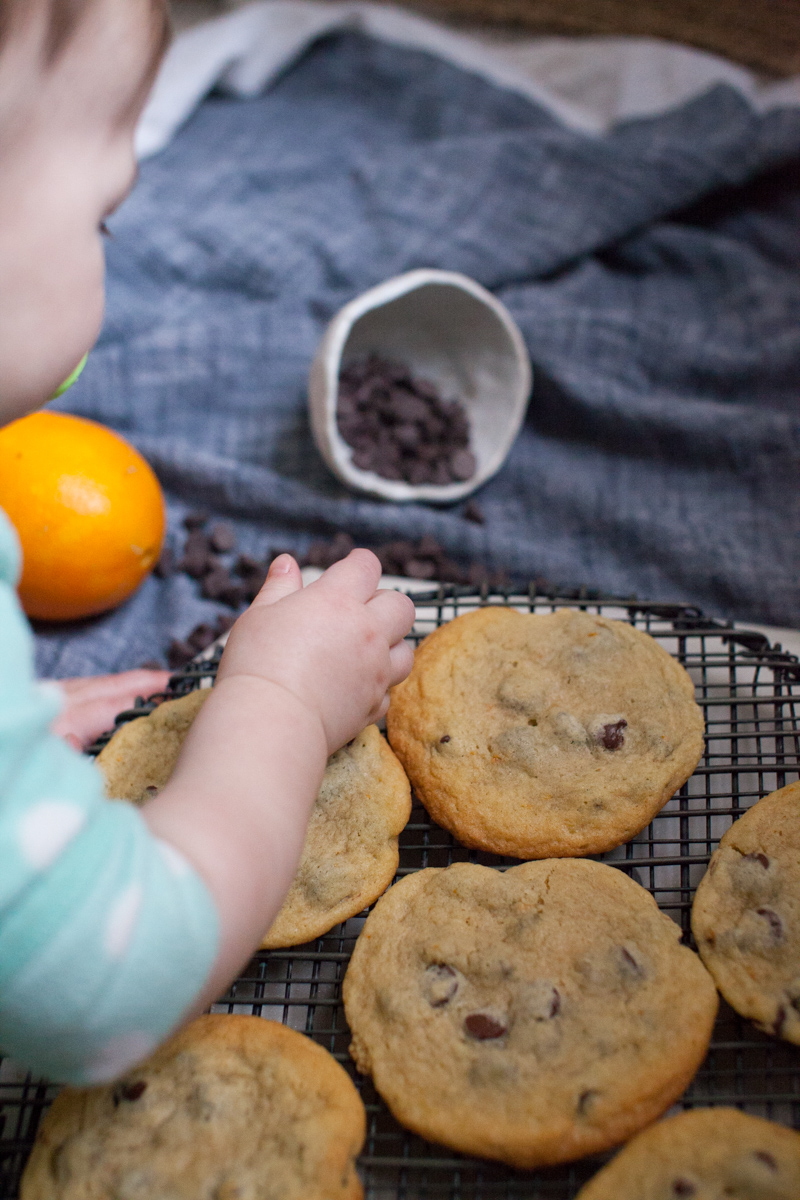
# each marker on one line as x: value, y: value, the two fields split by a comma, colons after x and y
x: 533, y: 1015
x: 141, y: 755
x: 350, y: 854
x: 704, y: 1154
x: 746, y: 914
x: 231, y: 1108
x: 544, y: 735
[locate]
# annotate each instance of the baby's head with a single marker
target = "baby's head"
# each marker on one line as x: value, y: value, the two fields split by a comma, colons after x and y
x: 74, y: 75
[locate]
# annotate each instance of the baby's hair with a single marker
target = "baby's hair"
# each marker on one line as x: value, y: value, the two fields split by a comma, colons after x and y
x: 61, y: 19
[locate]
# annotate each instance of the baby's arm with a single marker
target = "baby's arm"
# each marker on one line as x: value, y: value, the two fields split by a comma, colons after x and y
x: 304, y: 671
x: 135, y: 938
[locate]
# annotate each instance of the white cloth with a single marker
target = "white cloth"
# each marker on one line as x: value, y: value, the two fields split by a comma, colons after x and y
x: 589, y: 82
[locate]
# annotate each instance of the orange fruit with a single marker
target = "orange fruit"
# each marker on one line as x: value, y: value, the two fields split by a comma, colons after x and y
x: 88, y: 510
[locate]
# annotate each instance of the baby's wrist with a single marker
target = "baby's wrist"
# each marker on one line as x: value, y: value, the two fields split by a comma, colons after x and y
x: 253, y: 690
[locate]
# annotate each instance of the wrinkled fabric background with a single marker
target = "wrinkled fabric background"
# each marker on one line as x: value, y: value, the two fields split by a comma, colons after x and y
x: 653, y: 272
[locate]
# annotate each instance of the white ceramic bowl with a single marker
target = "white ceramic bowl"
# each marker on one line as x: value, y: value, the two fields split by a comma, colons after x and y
x: 448, y: 329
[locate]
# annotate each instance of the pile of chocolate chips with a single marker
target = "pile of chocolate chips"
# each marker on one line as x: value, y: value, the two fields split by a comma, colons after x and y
x: 235, y: 580
x: 400, y: 427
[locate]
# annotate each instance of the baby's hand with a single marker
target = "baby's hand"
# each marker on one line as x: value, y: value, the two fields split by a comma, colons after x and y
x: 336, y: 645
x: 91, y: 704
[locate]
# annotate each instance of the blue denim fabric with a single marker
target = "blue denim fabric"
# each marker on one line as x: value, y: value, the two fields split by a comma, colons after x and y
x: 653, y: 271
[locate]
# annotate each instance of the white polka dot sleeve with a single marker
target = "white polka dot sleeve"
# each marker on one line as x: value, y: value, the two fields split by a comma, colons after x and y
x: 107, y: 935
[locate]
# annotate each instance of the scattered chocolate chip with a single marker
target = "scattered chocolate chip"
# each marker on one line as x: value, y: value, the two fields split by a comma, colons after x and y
x: 247, y: 565
x: 179, y: 654
x: 445, y: 738
x: 218, y: 585
x: 682, y: 1187
x: 150, y: 791
x: 222, y: 537
x: 585, y: 1101
x: 462, y: 464
x: 473, y: 512
x: 223, y: 623
x: 611, y: 736
x: 166, y: 563
x: 775, y: 923
x: 399, y: 426
x: 766, y: 1158
x: 441, y: 984
x: 420, y: 568
x: 129, y: 1091
x: 555, y: 1003
x: 484, y: 1027
x: 201, y: 637
x: 195, y: 520
x: 758, y: 857
x: 780, y: 1021
x: 197, y: 557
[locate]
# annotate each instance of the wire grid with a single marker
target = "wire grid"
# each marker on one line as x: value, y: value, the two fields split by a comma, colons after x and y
x: 750, y: 693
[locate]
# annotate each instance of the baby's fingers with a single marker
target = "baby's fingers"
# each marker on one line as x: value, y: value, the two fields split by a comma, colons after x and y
x: 282, y: 579
x: 401, y: 660
x: 395, y: 614
x: 358, y: 575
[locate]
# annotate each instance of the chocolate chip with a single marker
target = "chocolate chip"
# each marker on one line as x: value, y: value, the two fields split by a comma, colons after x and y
x: 758, y: 857
x: 775, y: 923
x: 129, y: 1091
x: 611, y: 736
x: 201, y: 637
x: 341, y: 546
x: 420, y: 568
x: 195, y: 520
x: 682, y: 1187
x: 165, y: 567
x: 473, y: 512
x: 218, y: 585
x: 780, y: 1021
x: 445, y: 738
x: 766, y: 1159
x: 555, y: 1004
x: 247, y: 565
x: 222, y: 537
x: 463, y: 464
x: 399, y: 426
x: 197, y: 557
x: 586, y: 1100
x: 441, y: 984
x: 484, y: 1027
x: 216, y: 582
x: 150, y: 791
x: 179, y: 654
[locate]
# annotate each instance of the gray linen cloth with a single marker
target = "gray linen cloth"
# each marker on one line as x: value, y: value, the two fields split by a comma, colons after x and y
x: 654, y: 272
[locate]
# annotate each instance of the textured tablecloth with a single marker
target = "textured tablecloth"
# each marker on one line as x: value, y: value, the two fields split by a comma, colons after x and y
x: 654, y: 272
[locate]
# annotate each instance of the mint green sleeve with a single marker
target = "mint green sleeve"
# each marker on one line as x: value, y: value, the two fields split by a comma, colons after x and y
x: 107, y: 934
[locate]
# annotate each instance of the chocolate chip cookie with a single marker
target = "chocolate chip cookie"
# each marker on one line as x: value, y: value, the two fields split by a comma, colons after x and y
x: 350, y: 854
x: 533, y: 1015
x: 231, y: 1108
x: 544, y: 735
x: 702, y: 1155
x: 746, y: 914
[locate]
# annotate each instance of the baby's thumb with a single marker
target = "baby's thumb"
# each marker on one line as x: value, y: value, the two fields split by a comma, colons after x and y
x: 284, y: 578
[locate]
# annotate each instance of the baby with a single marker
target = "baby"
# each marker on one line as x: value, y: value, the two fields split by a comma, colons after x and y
x: 117, y: 924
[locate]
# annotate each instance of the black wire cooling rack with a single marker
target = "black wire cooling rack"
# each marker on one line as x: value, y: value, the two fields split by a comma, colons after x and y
x: 750, y: 693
